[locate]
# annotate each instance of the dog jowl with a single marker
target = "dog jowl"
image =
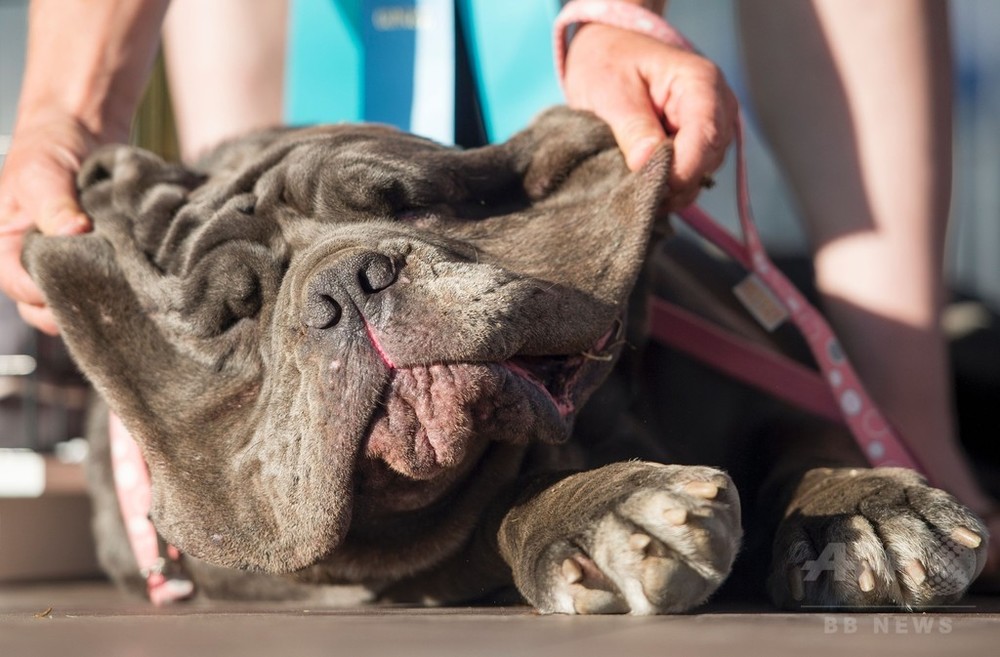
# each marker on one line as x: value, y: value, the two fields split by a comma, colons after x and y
x: 354, y: 357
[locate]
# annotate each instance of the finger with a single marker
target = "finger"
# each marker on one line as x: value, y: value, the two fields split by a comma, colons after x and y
x: 13, y: 222
x: 62, y: 216
x: 634, y: 123
x: 40, y: 317
x: 701, y: 113
x: 8, y: 207
x: 703, y: 134
x: 602, y: 76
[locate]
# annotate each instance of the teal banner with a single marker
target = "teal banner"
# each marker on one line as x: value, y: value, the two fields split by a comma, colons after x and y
x: 393, y: 61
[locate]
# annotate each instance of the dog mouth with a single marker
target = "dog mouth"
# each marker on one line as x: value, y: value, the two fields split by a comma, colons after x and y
x: 436, y: 421
x: 558, y: 378
x: 553, y: 376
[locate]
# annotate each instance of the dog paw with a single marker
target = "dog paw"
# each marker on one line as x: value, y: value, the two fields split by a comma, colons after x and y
x: 872, y: 538
x: 661, y: 542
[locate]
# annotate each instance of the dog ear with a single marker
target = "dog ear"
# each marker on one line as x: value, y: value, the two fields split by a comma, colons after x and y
x: 556, y: 143
x: 588, y: 220
x: 113, y: 297
x: 91, y: 281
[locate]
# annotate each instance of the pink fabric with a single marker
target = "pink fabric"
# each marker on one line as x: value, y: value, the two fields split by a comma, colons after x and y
x: 134, y: 498
x: 873, y: 433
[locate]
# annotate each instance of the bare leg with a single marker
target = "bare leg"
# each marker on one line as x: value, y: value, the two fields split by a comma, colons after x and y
x: 225, y: 60
x: 855, y: 98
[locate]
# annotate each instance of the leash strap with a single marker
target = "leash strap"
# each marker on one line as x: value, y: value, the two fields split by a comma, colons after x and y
x: 742, y: 359
x: 155, y: 558
x: 872, y: 432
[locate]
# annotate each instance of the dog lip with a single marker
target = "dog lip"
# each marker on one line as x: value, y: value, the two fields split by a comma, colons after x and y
x: 558, y: 396
x: 558, y: 389
x: 377, y: 346
x: 377, y: 477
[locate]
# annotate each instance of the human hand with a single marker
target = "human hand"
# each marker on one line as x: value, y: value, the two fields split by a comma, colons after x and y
x: 646, y: 89
x: 38, y: 189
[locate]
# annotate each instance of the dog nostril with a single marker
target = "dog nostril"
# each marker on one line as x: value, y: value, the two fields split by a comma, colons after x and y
x: 378, y: 273
x: 322, y: 311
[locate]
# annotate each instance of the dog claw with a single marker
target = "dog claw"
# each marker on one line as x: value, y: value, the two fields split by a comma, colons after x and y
x: 867, y: 578
x: 796, y: 585
x: 675, y: 516
x: 916, y: 571
x: 966, y: 537
x: 639, y: 542
x: 703, y: 489
x: 599, y: 602
x: 572, y: 572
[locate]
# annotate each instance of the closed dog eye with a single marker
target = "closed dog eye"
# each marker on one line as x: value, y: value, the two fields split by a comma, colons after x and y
x: 230, y: 286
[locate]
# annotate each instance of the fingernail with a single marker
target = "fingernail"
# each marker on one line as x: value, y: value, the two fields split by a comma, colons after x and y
x: 571, y: 571
x: 639, y: 542
x: 675, y: 516
x: 703, y: 489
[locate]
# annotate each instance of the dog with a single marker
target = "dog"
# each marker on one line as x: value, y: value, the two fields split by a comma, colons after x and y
x: 364, y: 367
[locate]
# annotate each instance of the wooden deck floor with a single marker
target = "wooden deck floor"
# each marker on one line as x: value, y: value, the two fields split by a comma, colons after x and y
x: 87, y: 619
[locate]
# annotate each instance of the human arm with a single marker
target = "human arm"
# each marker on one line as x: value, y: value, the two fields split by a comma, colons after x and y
x: 86, y: 68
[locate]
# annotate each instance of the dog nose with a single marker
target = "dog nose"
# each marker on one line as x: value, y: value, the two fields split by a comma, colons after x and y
x: 376, y: 273
x: 321, y: 311
x: 357, y: 276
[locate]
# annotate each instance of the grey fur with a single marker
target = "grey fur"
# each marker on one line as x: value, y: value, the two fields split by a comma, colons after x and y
x: 355, y: 360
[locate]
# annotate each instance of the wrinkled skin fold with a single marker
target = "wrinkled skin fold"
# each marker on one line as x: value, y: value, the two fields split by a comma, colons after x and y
x: 356, y: 360
x: 321, y: 307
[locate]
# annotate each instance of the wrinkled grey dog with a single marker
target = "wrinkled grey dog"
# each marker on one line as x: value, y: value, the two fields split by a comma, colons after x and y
x: 357, y: 363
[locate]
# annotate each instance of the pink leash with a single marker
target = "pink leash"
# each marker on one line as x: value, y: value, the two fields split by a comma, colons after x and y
x: 871, y: 431
x: 742, y: 359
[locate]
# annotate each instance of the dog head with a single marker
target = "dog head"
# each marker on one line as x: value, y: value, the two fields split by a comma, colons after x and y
x: 341, y: 320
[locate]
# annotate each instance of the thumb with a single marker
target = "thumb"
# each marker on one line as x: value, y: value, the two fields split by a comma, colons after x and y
x: 49, y: 198
x: 61, y: 215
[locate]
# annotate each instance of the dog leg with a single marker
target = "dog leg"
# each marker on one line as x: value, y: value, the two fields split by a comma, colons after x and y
x: 634, y: 537
x: 858, y: 537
